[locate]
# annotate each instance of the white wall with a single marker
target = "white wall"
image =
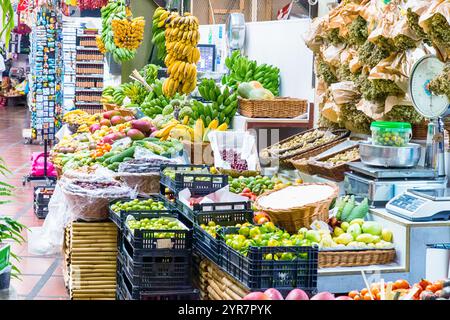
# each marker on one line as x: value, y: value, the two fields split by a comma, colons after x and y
x: 279, y: 43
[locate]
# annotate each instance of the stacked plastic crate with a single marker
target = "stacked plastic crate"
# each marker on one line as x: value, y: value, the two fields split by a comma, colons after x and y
x: 153, y: 264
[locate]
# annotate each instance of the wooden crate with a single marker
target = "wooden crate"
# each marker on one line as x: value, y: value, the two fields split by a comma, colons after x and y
x: 90, y: 255
x: 215, y: 284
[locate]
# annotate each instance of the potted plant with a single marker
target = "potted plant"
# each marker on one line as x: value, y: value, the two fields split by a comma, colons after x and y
x: 10, y: 232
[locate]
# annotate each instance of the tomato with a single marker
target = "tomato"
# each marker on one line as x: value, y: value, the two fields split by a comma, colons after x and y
x: 367, y: 296
x: 438, y: 285
x: 401, y: 284
x: 353, y: 294
x: 262, y: 220
x: 424, y: 283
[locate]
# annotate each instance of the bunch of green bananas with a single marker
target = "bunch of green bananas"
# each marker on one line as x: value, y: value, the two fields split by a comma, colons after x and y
x: 158, y: 31
x: 115, y: 9
x: 149, y: 73
x: 244, y: 70
x: 155, y: 101
x: 223, y: 104
x: 118, y: 96
x: 135, y: 91
x: 108, y: 91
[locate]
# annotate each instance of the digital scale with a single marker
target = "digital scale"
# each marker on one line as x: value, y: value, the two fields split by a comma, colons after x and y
x: 422, y: 205
x: 428, y: 203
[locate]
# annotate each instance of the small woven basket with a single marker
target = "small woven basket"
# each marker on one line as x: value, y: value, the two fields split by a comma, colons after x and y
x: 276, y: 108
x: 293, y: 219
x: 146, y: 183
x: 352, y: 258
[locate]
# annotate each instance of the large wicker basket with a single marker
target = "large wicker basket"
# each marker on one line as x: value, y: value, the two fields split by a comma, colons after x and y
x: 87, y: 208
x: 333, y: 172
x: 352, y: 258
x: 293, y: 219
x: 146, y: 183
x: 277, y: 108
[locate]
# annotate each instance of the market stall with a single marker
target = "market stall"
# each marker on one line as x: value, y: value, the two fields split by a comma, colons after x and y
x: 200, y: 210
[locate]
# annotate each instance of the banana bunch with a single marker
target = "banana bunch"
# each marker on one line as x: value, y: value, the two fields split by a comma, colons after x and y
x: 223, y: 104
x: 164, y: 133
x: 114, y: 10
x: 182, y: 132
x: 108, y: 91
x: 100, y: 44
x: 158, y: 30
x: 181, y: 37
x: 155, y: 101
x: 83, y: 128
x: 135, y: 91
x: 76, y: 117
x: 244, y: 70
x: 118, y: 96
x: 128, y: 33
x: 150, y: 73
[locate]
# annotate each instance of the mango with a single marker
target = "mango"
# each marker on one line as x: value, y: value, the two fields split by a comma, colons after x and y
x: 386, y: 235
x: 313, y: 236
x: 344, y: 239
x: 338, y: 231
x: 358, y: 221
x: 353, y: 244
x: 354, y: 230
x: 365, y: 237
x: 345, y: 225
x: 372, y: 227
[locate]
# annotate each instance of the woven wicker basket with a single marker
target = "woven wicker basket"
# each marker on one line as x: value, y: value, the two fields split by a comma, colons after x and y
x: 293, y: 219
x: 300, y: 158
x: 87, y: 208
x: 199, y: 152
x: 146, y: 183
x: 276, y: 108
x: 352, y: 258
x: 333, y: 172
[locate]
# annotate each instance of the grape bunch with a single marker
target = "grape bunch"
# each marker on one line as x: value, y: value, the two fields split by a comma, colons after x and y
x: 234, y: 159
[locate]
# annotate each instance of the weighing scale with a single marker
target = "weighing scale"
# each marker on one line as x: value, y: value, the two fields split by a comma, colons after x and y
x: 429, y: 203
x: 381, y: 185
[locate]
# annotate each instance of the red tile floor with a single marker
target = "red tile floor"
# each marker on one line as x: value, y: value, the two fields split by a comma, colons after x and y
x: 41, y: 275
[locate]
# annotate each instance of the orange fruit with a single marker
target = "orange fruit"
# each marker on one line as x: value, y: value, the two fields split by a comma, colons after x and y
x: 353, y: 294
x: 262, y: 220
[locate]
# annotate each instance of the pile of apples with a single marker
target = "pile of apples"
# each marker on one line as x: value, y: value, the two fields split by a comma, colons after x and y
x: 295, y: 294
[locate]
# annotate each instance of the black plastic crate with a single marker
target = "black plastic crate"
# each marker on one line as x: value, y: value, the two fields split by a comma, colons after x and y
x: 258, y: 273
x: 160, y: 272
x: 126, y: 291
x: 141, y: 243
x: 222, y: 211
x: 41, y: 211
x: 43, y: 198
x: 119, y: 219
x: 207, y: 244
x: 199, y: 184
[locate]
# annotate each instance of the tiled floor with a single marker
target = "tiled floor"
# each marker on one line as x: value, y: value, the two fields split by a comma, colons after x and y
x: 41, y: 275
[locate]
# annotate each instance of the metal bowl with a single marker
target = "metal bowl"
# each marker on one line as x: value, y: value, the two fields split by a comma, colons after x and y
x: 390, y: 157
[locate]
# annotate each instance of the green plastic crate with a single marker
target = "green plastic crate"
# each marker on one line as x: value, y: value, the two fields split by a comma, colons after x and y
x: 4, y: 255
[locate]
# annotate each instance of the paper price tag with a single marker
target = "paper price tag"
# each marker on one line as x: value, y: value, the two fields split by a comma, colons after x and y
x: 164, y: 243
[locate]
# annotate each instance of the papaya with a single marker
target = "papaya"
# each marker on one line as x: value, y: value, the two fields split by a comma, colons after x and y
x: 244, y: 90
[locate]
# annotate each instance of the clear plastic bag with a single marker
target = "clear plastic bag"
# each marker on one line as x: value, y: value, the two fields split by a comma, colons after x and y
x: 88, y: 199
x: 242, y: 143
x: 146, y: 161
x: 48, y: 239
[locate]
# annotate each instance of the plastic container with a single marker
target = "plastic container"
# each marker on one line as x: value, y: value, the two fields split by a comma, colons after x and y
x: 258, y: 273
x: 5, y: 251
x: 226, y: 210
x: 119, y: 217
x: 126, y: 291
x: 392, y: 134
x: 142, y: 243
x: 159, y: 272
x: 206, y: 244
x: 199, y: 184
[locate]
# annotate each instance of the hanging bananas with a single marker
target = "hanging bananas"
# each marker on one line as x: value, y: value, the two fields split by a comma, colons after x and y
x: 181, y: 38
x: 119, y: 42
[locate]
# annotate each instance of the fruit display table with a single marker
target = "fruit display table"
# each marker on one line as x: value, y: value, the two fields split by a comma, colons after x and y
x: 411, y: 240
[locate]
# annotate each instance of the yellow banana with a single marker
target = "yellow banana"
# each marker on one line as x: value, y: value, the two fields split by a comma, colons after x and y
x: 222, y: 127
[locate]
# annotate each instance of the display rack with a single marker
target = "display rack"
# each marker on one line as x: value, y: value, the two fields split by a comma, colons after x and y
x: 46, y: 67
x: 89, y: 72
